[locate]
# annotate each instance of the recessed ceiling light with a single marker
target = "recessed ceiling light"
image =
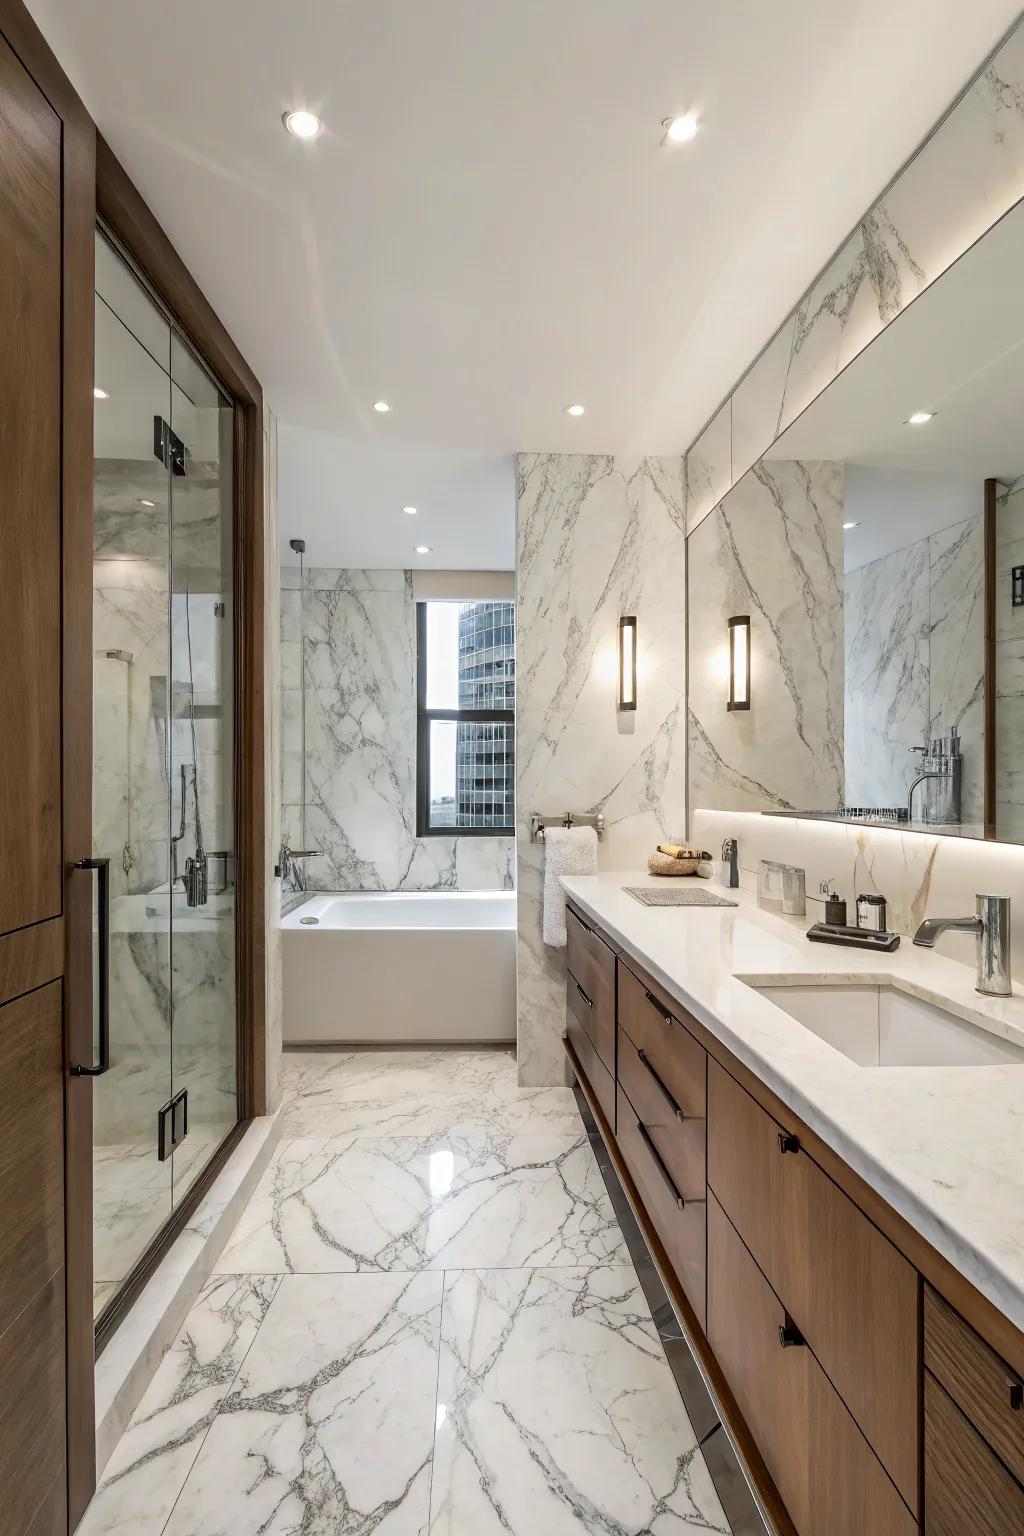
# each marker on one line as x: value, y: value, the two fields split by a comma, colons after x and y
x: 575, y: 410
x: 680, y: 130
x: 99, y: 394
x: 409, y: 511
x: 848, y: 526
x: 144, y: 503
x: 381, y: 407
x: 424, y: 549
x: 304, y: 125
x: 919, y: 418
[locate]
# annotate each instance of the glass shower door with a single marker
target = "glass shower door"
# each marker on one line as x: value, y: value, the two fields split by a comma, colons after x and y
x: 204, y: 1031
x: 132, y: 1190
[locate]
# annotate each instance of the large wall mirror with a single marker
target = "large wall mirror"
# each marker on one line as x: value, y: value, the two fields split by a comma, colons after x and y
x: 878, y: 549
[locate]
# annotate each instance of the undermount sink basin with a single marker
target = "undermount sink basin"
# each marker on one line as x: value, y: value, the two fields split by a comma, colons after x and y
x: 882, y: 1026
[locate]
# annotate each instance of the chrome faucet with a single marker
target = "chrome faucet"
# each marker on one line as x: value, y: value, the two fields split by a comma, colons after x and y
x: 992, y: 926
x: 288, y: 856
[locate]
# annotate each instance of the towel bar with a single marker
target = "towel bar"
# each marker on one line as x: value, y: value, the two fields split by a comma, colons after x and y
x: 567, y: 819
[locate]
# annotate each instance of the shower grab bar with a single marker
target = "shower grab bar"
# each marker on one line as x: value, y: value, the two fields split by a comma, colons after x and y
x: 102, y: 868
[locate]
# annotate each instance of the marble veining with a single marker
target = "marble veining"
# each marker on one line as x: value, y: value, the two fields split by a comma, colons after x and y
x: 965, y: 177
x: 597, y: 538
x: 524, y: 1387
x: 434, y: 1202
x: 555, y: 1414
x: 773, y: 550
x: 349, y: 639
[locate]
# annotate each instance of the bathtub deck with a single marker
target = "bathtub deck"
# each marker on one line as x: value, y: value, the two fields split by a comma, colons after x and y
x: 426, y: 1321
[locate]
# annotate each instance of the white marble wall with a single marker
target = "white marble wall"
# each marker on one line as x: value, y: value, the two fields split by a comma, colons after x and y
x: 915, y: 632
x: 597, y: 538
x: 359, y: 667
x: 920, y: 874
x: 967, y: 175
x: 1009, y: 635
x: 773, y: 549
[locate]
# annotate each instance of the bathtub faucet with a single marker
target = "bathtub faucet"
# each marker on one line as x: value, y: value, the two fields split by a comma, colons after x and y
x: 283, y: 868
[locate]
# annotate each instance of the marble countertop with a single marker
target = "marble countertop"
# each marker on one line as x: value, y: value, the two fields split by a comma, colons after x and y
x: 944, y: 1146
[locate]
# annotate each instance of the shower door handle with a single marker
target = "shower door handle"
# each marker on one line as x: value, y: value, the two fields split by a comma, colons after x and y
x: 102, y: 868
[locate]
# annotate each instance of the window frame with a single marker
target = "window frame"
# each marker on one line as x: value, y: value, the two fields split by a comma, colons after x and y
x: 424, y: 719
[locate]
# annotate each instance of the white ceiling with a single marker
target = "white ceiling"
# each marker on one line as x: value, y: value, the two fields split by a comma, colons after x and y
x: 489, y: 229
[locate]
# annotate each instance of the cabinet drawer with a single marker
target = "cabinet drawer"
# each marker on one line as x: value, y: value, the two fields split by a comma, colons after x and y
x: 967, y: 1490
x: 981, y: 1384
x: 853, y: 1296
x: 590, y: 985
x: 594, y: 1069
x: 680, y: 1138
x: 681, y: 1224
x: 679, y: 1060
x: 826, y: 1473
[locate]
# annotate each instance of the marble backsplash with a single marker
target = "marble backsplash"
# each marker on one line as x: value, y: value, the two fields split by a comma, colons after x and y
x: 920, y: 875
x: 915, y: 632
x: 597, y: 537
x: 350, y: 637
x: 772, y: 549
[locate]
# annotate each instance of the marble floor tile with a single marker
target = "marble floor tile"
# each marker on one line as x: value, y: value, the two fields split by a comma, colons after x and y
x: 329, y: 1428
x: 406, y: 1203
x: 144, y: 1476
x: 416, y: 1093
x: 557, y: 1412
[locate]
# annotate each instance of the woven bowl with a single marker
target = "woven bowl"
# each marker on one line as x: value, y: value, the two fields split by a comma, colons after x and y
x: 661, y: 864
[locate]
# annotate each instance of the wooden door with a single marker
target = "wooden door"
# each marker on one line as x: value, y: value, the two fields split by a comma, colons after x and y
x: 47, y: 190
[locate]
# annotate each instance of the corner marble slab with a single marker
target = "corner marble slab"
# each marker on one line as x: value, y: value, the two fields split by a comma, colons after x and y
x: 941, y: 1145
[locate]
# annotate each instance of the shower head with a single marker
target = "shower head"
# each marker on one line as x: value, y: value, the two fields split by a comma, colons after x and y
x: 299, y: 546
x: 125, y: 656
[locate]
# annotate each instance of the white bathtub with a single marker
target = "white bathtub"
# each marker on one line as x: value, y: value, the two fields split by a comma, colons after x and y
x: 400, y: 967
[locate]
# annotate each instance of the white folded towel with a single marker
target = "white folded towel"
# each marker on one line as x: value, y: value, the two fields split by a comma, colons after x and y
x: 567, y: 851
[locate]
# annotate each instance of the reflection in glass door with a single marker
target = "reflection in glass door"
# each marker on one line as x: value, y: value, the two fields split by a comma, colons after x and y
x: 163, y: 805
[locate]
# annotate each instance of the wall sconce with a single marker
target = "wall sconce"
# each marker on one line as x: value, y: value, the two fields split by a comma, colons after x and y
x: 739, y: 662
x: 627, y: 663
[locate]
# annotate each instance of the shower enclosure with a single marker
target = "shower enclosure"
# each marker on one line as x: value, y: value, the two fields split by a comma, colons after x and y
x: 163, y: 771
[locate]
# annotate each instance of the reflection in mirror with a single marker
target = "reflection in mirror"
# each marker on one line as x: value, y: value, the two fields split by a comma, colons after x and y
x: 887, y: 672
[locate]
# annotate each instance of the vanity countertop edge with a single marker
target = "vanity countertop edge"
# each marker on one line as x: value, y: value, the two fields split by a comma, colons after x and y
x: 943, y: 1146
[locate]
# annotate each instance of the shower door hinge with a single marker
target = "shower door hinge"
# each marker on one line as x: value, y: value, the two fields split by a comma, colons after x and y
x: 172, y: 1124
x: 168, y: 447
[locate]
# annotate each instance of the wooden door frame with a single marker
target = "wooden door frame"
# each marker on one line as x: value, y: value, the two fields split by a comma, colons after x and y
x: 124, y: 212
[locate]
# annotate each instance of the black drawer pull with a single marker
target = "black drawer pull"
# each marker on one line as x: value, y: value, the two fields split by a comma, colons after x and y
x: 659, y: 1162
x: 658, y: 1007
x: 666, y: 1093
x: 789, y: 1334
x: 1016, y: 1394
x: 582, y: 994
x: 788, y: 1143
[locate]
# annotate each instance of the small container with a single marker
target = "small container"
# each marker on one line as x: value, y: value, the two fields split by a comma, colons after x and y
x: 871, y: 913
x: 835, y: 910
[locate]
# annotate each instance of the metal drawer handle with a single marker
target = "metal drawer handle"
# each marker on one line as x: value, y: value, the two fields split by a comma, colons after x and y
x: 788, y: 1143
x: 1016, y: 1394
x: 669, y: 1099
x: 658, y: 1007
x: 659, y: 1162
x: 102, y: 868
x: 582, y: 994
x: 789, y: 1334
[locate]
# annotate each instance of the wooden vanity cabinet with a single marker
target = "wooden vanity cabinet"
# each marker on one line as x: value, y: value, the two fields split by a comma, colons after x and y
x: 974, y: 1430
x: 866, y: 1404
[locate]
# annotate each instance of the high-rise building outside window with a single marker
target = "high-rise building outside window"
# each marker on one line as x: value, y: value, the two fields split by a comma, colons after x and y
x: 466, y: 721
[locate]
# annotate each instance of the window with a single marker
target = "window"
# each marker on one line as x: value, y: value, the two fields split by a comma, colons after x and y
x: 465, y: 692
